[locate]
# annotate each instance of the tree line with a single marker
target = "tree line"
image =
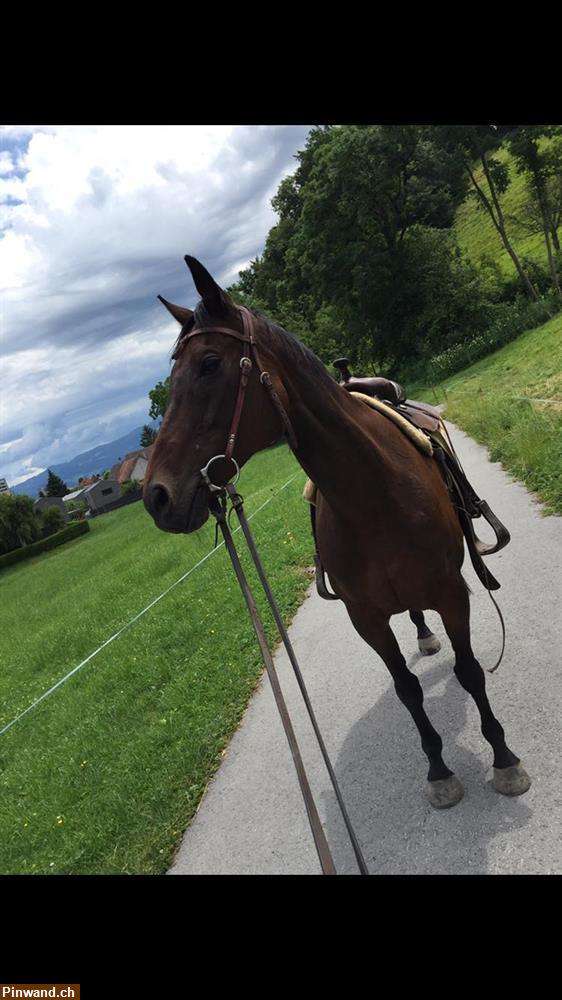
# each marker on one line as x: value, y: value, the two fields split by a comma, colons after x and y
x: 364, y: 261
x: 22, y: 524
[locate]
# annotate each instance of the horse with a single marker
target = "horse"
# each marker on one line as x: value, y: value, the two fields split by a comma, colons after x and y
x: 386, y: 530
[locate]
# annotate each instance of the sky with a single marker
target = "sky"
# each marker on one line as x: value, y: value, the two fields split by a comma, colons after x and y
x: 95, y: 221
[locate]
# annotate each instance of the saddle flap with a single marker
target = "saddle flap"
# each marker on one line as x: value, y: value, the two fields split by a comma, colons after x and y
x: 424, y: 416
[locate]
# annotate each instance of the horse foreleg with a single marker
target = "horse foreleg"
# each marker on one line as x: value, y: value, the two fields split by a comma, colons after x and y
x: 443, y: 788
x: 510, y: 778
x: 428, y: 643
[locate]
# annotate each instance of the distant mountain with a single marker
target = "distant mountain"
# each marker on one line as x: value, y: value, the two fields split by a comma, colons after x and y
x: 92, y: 462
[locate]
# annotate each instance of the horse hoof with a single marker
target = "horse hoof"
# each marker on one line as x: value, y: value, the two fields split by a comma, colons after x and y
x: 445, y: 792
x: 429, y: 645
x: 512, y: 780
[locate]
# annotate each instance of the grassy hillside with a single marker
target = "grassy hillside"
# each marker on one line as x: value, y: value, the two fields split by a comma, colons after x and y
x: 512, y: 402
x: 104, y: 775
x: 476, y: 233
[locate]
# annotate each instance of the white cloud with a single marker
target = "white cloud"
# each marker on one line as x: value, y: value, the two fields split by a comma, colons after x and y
x: 105, y: 216
x: 6, y: 163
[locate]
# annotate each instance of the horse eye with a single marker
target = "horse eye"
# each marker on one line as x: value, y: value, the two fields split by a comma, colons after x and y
x: 209, y: 364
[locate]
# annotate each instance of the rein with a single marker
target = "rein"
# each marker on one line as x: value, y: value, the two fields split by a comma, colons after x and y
x: 217, y: 505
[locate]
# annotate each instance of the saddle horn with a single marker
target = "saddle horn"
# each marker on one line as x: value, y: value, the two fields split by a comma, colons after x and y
x: 342, y: 364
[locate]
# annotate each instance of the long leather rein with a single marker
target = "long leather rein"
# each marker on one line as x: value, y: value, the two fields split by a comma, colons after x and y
x: 217, y: 506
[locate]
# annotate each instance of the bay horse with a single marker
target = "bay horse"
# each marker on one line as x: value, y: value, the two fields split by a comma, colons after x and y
x: 387, y: 532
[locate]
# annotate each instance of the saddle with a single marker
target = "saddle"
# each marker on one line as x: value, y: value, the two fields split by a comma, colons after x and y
x: 422, y: 415
x: 464, y: 498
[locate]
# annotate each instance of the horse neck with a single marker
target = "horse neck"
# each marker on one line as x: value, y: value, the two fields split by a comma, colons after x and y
x: 335, y: 448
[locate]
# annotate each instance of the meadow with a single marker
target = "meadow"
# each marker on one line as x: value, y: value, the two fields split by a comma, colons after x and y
x: 511, y: 401
x: 104, y: 775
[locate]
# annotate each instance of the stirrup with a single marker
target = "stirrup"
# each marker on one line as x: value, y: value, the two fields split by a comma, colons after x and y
x: 321, y: 581
x: 502, y: 534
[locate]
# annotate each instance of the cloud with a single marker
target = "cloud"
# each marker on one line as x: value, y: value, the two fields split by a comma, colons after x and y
x: 95, y: 221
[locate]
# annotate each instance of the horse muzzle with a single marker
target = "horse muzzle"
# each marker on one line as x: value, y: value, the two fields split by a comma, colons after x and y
x: 180, y: 516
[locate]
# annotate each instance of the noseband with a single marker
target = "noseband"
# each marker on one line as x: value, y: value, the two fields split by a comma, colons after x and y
x: 250, y: 357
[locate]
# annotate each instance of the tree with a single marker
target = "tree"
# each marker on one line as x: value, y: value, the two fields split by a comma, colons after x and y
x: 73, y: 505
x: 554, y: 191
x: 540, y: 163
x: 148, y: 436
x: 476, y: 143
x: 55, y: 485
x: 159, y: 397
x: 529, y: 218
x: 51, y: 519
x: 334, y: 268
x: 19, y: 524
x: 130, y: 486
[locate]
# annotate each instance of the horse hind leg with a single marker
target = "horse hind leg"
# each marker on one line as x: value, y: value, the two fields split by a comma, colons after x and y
x: 510, y: 777
x: 443, y: 787
x: 428, y: 643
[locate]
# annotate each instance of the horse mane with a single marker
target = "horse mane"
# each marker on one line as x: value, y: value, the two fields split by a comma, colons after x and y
x: 289, y: 345
x: 295, y: 350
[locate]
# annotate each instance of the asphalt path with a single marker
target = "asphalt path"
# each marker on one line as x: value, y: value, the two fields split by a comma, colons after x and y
x: 252, y: 818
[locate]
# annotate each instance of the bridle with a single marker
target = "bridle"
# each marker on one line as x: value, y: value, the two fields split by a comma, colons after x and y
x: 250, y: 357
x: 217, y: 506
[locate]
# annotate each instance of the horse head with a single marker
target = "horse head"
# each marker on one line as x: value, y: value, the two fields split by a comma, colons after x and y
x: 204, y: 388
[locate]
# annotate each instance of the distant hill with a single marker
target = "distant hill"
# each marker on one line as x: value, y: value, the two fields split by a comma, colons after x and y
x: 95, y: 461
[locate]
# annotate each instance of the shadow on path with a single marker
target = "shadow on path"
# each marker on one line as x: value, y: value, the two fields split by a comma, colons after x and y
x: 382, y: 771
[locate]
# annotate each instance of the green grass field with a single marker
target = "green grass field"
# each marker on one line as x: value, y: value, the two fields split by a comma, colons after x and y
x: 512, y: 402
x: 104, y: 775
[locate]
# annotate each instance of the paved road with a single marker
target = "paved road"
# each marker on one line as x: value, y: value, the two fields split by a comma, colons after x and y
x: 252, y: 819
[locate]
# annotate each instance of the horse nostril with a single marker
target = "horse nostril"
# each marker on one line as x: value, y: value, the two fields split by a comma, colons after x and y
x: 159, y: 498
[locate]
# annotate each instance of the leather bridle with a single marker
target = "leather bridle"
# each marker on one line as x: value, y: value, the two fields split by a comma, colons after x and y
x: 250, y: 357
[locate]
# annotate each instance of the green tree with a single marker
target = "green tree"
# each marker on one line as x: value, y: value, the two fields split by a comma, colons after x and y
x: 335, y: 269
x: 51, y: 519
x: 19, y: 523
x: 529, y: 217
x: 472, y: 145
x: 159, y: 397
x: 76, y: 505
x: 541, y: 163
x: 55, y: 485
x: 148, y: 436
x: 130, y: 486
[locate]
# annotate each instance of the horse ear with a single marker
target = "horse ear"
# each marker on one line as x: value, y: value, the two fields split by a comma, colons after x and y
x: 178, y: 312
x: 216, y: 301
